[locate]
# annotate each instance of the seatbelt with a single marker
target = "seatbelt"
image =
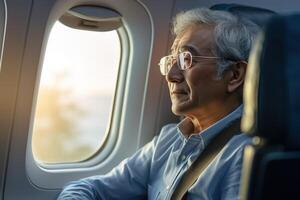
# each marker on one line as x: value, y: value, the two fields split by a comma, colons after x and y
x: 204, y: 159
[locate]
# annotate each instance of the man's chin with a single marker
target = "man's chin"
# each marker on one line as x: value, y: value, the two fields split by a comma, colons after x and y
x: 179, y: 110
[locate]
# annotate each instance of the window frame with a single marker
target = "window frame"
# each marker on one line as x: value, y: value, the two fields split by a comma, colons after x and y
x: 129, y: 97
x: 3, y: 15
x: 111, y: 134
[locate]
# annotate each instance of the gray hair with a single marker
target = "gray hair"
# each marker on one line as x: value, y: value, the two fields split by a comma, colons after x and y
x: 234, y: 36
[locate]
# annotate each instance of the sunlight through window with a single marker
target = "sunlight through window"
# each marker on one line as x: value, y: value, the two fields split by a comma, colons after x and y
x: 75, y: 95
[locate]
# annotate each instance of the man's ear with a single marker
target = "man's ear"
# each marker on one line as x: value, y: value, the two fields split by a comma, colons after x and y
x: 236, y: 76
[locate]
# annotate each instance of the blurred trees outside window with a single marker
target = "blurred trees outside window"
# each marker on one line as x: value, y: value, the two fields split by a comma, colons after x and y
x: 75, y: 94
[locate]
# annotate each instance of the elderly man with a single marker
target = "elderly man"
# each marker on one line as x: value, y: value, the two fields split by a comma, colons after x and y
x: 205, y: 74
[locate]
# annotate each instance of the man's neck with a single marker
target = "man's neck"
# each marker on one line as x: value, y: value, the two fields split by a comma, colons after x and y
x: 210, y: 115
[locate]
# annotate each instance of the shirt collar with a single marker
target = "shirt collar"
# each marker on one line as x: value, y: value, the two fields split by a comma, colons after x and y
x: 207, y: 134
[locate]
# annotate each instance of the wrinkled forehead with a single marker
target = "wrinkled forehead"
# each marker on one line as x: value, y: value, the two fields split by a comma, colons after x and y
x: 198, y: 39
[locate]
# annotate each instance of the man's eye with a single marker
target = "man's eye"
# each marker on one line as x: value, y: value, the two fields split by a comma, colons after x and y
x: 170, y: 61
x: 187, y: 59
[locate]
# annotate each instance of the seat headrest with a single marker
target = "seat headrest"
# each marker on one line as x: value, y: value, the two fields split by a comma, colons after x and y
x: 272, y: 84
x: 257, y: 15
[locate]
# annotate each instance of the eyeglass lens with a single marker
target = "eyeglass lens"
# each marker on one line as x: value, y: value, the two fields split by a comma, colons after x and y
x: 183, y: 59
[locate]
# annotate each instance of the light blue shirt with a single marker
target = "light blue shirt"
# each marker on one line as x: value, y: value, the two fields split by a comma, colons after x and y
x: 154, y: 171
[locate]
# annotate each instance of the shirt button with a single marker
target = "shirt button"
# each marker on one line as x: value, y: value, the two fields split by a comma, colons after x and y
x: 168, y: 187
x: 183, y: 157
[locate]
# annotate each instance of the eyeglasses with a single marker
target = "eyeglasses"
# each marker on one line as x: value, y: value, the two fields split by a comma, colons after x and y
x: 184, y: 61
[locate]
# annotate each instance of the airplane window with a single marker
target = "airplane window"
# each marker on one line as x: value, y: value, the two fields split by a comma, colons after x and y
x: 75, y: 95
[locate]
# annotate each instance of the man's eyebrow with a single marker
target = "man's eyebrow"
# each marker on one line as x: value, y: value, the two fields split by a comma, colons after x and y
x: 194, y: 50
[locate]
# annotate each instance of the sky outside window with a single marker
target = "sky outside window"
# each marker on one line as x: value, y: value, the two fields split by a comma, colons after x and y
x: 75, y: 94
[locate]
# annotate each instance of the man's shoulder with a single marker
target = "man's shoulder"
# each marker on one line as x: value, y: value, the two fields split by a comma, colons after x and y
x: 169, y: 128
x: 237, y: 144
x: 169, y: 131
x: 241, y: 139
x: 169, y: 137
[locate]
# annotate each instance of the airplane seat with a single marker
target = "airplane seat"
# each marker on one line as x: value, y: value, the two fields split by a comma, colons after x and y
x: 255, y: 14
x: 271, y: 168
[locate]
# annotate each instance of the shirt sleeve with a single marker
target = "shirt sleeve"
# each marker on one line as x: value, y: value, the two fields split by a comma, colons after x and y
x: 231, y: 186
x: 126, y: 181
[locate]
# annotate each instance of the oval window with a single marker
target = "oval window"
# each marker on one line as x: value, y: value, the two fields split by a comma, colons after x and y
x: 75, y: 95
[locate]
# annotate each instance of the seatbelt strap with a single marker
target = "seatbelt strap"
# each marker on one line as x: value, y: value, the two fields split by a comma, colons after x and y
x: 204, y: 159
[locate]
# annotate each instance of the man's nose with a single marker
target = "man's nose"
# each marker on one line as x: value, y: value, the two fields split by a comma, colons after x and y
x: 175, y: 74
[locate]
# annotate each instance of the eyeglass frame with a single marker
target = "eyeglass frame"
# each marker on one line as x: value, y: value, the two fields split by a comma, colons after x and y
x: 161, y: 65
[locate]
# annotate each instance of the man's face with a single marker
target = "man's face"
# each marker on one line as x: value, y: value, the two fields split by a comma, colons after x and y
x: 198, y: 88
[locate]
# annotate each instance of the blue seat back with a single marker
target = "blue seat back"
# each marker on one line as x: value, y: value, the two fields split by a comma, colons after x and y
x: 272, y: 113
